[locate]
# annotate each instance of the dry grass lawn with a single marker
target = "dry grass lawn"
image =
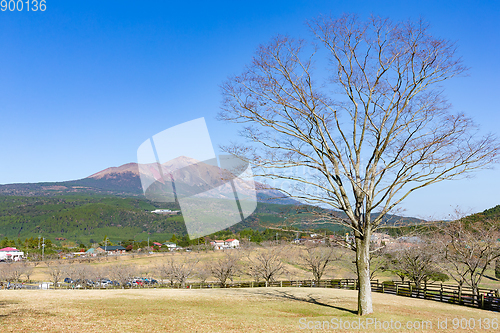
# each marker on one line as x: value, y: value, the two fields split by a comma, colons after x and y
x: 211, y: 310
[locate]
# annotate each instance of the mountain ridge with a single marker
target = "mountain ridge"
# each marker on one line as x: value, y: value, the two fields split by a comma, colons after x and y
x: 124, y: 181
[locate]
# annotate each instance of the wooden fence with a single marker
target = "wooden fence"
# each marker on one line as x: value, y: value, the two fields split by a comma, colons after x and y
x: 448, y: 293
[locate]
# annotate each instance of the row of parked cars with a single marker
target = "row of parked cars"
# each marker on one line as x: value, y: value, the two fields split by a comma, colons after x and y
x: 105, y: 283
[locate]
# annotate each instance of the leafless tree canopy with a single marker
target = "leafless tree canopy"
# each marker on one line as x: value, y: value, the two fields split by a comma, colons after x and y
x: 177, y: 270
x: 123, y: 274
x: 317, y: 258
x: 266, y: 263
x: 417, y: 263
x: 56, y: 271
x: 468, y: 248
x: 225, y: 268
x: 365, y: 133
x: 12, y: 272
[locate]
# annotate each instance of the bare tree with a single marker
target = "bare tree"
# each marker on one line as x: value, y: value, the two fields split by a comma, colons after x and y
x: 417, y: 263
x: 317, y: 258
x: 203, y: 272
x: 12, y: 272
x: 167, y: 271
x: 225, y: 268
x: 177, y: 270
x: 185, y: 270
x: 27, y: 270
x: 56, y: 271
x: 376, y: 131
x: 266, y: 263
x: 123, y: 274
x: 82, y: 274
x: 97, y: 273
x: 468, y: 248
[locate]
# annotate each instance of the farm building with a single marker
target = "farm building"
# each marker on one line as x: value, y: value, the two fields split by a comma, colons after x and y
x: 115, y: 249
x: 11, y: 253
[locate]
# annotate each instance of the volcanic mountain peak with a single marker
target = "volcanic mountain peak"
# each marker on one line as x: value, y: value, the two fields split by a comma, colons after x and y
x: 177, y: 163
x: 129, y: 167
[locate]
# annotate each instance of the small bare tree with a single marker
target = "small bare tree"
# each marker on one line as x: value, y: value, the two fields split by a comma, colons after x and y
x: 12, y: 272
x: 266, y: 263
x: 203, y: 272
x: 185, y: 270
x: 468, y: 248
x: 177, y: 270
x: 97, y: 273
x: 56, y: 272
x: 225, y: 268
x: 123, y: 274
x: 82, y: 274
x: 316, y: 258
x: 417, y: 263
x: 27, y: 270
x: 167, y: 271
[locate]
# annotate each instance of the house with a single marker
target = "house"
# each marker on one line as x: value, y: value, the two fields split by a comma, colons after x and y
x: 227, y: 244
x: 379, y: 239
x: 157, y: 244
x: 170, y: 245
x: 166, y: 211
x: 114, y: 249
x: 91, y: 252
x: 218, y: 244
x: 232, y: 243
x: 11, y: 253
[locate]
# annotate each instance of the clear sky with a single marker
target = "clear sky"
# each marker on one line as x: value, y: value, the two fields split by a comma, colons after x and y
x: 84, y: 83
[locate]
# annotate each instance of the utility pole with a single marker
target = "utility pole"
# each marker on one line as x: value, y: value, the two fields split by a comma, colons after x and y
x: 43, y: 247
x: 39, y: 242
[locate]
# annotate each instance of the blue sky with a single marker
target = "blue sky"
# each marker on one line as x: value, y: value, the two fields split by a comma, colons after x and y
x: 84, y: 83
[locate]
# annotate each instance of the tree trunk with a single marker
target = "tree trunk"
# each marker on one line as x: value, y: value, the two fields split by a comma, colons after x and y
x: 363, y: 267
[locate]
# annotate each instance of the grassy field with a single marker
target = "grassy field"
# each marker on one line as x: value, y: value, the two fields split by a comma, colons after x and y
x: 216, y: 310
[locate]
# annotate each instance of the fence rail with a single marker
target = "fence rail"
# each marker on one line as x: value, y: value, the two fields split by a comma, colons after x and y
x: 447, y: 293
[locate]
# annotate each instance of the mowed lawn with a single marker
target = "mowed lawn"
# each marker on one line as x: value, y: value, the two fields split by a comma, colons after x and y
x: 217, y: 310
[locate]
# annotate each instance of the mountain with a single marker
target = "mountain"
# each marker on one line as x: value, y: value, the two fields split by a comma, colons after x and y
x: 191, y: 176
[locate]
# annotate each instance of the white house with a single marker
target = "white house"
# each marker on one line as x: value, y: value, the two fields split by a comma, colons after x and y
x: 11, y: 253
x: 218, y: 244
x: 166, y: 211
x: 232, y: 243
x: 170, y: 245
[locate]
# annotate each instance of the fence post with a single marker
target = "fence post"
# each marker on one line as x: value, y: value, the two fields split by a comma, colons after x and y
x: 281, y: 284
x: 252, y: 284
x: 397, y: 289
x: 460, y: 294
x: 383, y: 288
x: 425, y: 289
x: 441, y: 293
x: 482, y: 301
